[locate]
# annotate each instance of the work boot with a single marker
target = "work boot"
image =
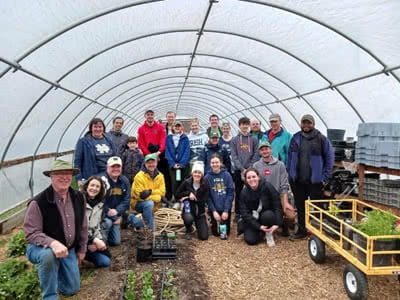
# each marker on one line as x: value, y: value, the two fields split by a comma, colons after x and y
x: 285, y: 230
x: 188, y: 234
x: 299, y: 235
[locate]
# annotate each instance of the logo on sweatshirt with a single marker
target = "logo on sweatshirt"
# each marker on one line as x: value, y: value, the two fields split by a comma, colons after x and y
x: 102, y: 148
x: 267, y: 172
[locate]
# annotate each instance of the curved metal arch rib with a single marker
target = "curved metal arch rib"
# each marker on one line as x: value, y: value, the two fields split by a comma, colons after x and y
x: 72, y: 26
x: 225, y: 71
x: 164, y: 87
x: 174, y: 31
x: 196, y: 101
x: 154, y: 100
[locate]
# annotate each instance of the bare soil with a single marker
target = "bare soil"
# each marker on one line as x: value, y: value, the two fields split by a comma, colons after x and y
x: 230, y: 269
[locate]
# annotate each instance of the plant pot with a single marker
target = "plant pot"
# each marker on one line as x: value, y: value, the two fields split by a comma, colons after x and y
x: 143, y: 252
x: 379, y: 245
x: 333, y: 224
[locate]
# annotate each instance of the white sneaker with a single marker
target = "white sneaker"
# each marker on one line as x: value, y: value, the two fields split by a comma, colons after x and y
x: 176, y: 206
x: 269, y: 237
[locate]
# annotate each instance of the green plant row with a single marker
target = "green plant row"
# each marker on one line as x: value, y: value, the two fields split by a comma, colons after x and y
x: 377, y: 223
x: 18, y: 281
x: 17, y: 245
x: 169, y: 292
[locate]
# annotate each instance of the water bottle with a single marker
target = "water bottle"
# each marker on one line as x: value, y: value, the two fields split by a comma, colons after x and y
x: 178, y: 175
x: 222, y: 232
x: 270, y: 239
x: 186, y: 206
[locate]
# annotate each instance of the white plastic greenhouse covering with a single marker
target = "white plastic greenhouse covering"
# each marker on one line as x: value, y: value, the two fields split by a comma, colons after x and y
x: 65, y: 62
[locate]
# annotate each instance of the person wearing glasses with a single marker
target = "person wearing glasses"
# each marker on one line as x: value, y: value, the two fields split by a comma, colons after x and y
x: 278, y: 137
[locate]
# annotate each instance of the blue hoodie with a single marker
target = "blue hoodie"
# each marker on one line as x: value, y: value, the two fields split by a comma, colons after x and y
x: 85, y: 156
x: 181, y: 154
x: 221, y: 191
x: 118, y: 194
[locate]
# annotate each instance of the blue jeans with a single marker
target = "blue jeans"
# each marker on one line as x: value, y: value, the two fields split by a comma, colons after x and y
x: 98, y: 258
x: 111, y: 232
x: 146, y: 208
x: 60, y: 274
x: 134, y: 221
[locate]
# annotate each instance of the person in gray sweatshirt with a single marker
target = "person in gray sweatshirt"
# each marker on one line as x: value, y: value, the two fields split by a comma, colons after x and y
x: 244, y: 153
x: 274, y: 171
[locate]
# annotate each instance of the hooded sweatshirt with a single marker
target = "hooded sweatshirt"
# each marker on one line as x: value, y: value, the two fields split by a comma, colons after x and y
x: 275, y: 173
x: 211, y: 149
x: 197, y: 144
x: 221, y: 191
x: 244, y: 151
x: 154, y: 135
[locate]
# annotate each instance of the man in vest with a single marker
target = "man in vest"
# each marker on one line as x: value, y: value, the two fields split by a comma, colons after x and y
x: 57, y: 232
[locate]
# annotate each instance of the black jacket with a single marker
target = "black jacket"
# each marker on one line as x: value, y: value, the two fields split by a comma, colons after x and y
x: 196, y: 207
x: 250, y: 199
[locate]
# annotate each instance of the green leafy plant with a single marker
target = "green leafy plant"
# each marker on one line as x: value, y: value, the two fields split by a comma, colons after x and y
x: 377, y: 223
x: 18, y: 281
x: 333, y: 209
x: 169, y: 291
x: 130, y: 293
x: 147, y: 290
x: 17, y: 245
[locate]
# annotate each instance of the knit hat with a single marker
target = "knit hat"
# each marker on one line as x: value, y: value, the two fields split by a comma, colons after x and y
x: 61, y: 165
x: 308, y: 118
x: 198, y: 166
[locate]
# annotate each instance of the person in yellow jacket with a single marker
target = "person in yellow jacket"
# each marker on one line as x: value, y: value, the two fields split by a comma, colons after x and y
x: 147, y: 189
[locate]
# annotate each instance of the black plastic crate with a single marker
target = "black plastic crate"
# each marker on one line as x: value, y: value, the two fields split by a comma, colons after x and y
x: 164, y: 246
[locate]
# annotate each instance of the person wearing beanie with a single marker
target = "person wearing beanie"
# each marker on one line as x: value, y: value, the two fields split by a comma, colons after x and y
x: 194, y: 190
x: 309, y: 164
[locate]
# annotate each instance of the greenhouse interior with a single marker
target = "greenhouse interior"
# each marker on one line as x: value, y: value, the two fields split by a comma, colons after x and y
x: 64, y: 63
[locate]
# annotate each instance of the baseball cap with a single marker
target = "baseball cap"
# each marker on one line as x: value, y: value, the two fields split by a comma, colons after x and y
x: 274, y: 117
x: 150, y: 156
x: 149, y: 111
x: 178, y: 123
x: 308, y: 118
x: 264, y: 144
x: 214, y: 134
x: 114, y: 160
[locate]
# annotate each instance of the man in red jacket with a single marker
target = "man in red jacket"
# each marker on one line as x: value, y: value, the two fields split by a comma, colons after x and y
x: 151, y: 135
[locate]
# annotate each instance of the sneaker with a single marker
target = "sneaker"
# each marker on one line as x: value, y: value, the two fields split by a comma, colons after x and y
x: 237, y: 218
x: 299, y: 235
x: 176, y: 206
x: 269, y: 237
x: 188, y: 236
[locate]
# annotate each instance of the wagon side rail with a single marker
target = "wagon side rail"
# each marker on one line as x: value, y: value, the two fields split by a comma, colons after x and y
x: 341, y: 237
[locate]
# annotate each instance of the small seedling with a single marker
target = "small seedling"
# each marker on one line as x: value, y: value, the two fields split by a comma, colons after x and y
x: 170, y: 292
x: 130, y: 293
x: 147, y: 290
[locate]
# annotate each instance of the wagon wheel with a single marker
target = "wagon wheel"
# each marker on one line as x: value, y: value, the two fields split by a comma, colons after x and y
x: 316, y: 249
x: 355, y: 283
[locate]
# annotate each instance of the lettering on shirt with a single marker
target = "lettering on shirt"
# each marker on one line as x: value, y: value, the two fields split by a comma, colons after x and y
x: 116, y: 191
x: 244, y: 147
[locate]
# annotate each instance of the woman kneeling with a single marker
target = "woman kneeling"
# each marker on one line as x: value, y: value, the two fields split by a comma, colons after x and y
x: 260, y: 209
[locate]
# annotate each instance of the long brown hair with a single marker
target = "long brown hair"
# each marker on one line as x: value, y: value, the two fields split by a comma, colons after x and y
x: 100, y: 196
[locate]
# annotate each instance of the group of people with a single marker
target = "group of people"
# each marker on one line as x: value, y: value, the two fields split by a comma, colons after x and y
x: 205, y: 171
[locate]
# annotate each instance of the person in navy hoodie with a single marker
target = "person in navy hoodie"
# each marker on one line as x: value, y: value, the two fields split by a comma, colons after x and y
x: 177, y: 152
x: 221, y: 195
x: 92, y: 151
x: 309, y: 165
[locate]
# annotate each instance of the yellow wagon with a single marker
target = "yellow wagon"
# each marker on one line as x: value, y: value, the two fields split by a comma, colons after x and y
x: 366, y: 256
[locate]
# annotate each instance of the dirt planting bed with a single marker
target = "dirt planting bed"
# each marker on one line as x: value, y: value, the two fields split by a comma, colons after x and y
x: 217, y: 269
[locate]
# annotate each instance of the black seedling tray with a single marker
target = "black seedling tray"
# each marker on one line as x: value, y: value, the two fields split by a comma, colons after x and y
x: 164, y: 246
